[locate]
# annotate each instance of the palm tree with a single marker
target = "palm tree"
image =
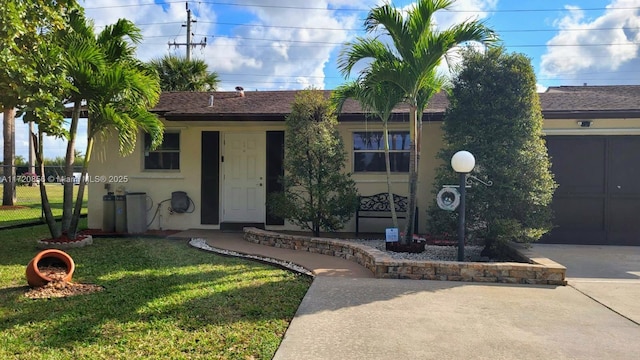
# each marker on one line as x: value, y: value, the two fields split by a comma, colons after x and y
x: 125, y: 90
x: 182, y: 74
x: 380, y: 99
x: 410, y: 62
x: 117, y: 90
x: 83, y: 61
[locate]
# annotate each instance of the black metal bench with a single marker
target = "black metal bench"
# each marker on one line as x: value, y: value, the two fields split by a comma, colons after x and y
x: 377, y: 207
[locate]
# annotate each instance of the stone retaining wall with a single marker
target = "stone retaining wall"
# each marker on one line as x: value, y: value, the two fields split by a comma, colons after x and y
x: 538, y: 271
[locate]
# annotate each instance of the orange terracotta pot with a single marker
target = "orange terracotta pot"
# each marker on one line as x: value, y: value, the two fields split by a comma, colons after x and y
x: 49, y: 257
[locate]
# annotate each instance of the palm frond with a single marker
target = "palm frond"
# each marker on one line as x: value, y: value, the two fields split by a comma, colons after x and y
x: 344, y: 92
x: 377, y: 97
x: 474, y: 31
x: 362, y: 49
x: 393, y: 23
x: 420, y: 17
x: 79, y: 25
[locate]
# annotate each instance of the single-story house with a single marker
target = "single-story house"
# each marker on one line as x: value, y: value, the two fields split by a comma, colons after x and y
x: 225, y: 150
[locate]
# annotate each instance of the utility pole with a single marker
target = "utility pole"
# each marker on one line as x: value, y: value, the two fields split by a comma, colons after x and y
x: 188, y: 44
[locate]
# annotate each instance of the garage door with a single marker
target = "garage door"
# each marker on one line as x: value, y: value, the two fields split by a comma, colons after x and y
x: 598, y: 197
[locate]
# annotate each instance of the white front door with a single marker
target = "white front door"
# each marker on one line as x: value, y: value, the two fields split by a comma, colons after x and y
x: 244, y: 177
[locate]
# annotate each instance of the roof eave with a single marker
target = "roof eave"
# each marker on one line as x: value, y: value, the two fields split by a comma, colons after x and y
x: 176, y: 116
x: 395, y: 117
x: 591, y: 114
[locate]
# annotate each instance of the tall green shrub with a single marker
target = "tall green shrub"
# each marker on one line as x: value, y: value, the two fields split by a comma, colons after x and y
x: 494, y: 113
x: 317, y: 193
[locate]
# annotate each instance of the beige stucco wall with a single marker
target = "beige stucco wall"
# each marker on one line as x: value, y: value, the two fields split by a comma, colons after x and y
x: 159, y: 184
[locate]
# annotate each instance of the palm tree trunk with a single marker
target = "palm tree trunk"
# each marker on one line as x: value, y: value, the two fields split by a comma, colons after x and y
x: 9, y: 170
x: 73, y: 227
x: 413, y: 174
x: 387, y: 160
x: 67, y: 203
x: 44, y: 199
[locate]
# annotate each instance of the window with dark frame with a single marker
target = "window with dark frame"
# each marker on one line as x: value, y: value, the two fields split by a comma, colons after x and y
x: 164, y: 157
x: 368, y: 151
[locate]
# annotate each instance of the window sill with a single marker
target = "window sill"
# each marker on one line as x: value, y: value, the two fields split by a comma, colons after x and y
x: 157, y: 176
x: 379, y: 178
x: 379, y: 173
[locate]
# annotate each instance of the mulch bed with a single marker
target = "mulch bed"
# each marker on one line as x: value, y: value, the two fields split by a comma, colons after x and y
x: 64, y: 239
x: 59, y: 288
x: 13, y: 207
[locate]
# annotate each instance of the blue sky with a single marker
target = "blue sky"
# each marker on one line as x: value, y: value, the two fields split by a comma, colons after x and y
x: 292, y: 44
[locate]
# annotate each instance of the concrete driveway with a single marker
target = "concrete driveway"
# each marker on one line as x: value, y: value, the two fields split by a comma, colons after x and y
x: 596, y: 317
x: 609, y: 275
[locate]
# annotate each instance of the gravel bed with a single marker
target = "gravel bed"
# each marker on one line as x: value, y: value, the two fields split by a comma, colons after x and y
x: 432, y: 252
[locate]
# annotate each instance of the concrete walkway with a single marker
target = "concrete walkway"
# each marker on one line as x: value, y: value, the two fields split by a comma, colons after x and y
x: 346, y: 314
x: 318, y: 264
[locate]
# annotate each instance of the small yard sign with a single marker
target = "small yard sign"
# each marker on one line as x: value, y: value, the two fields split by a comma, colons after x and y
x: 392, y: 235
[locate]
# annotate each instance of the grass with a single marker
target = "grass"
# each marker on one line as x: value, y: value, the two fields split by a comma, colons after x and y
x: 29, y: 209
x: 162, y: 299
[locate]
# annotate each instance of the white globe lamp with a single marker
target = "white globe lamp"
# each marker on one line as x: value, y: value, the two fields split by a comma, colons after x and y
x: 463, y: 162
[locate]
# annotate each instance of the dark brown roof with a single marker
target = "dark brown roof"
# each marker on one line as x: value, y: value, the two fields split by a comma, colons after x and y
x: 591, y: 101
x: 557, y: 102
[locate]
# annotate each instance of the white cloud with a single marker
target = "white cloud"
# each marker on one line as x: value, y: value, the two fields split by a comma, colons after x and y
x: 473, y: 10
x: 285, y: 48
x: 592, y: 49
x: 477, y: 10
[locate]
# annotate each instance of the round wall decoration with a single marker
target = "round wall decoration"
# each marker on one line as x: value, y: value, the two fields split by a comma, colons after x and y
x: 448, y: 198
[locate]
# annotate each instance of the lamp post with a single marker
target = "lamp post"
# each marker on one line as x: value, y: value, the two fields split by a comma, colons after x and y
x: 462, y: 162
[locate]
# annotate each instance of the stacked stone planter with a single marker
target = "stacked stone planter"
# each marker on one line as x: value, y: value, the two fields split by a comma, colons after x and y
x: 535, y: 271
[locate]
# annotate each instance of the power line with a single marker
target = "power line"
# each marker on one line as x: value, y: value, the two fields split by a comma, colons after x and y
x: 332, y: 44
x: 281, y: 76
x: 365, y: 10
x: 282, y: 26
x: 343, y: 43
x: 362, y: 30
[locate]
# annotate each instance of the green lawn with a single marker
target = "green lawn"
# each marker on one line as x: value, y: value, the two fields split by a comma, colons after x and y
x: 28, y: 207
x: 162, y: 299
